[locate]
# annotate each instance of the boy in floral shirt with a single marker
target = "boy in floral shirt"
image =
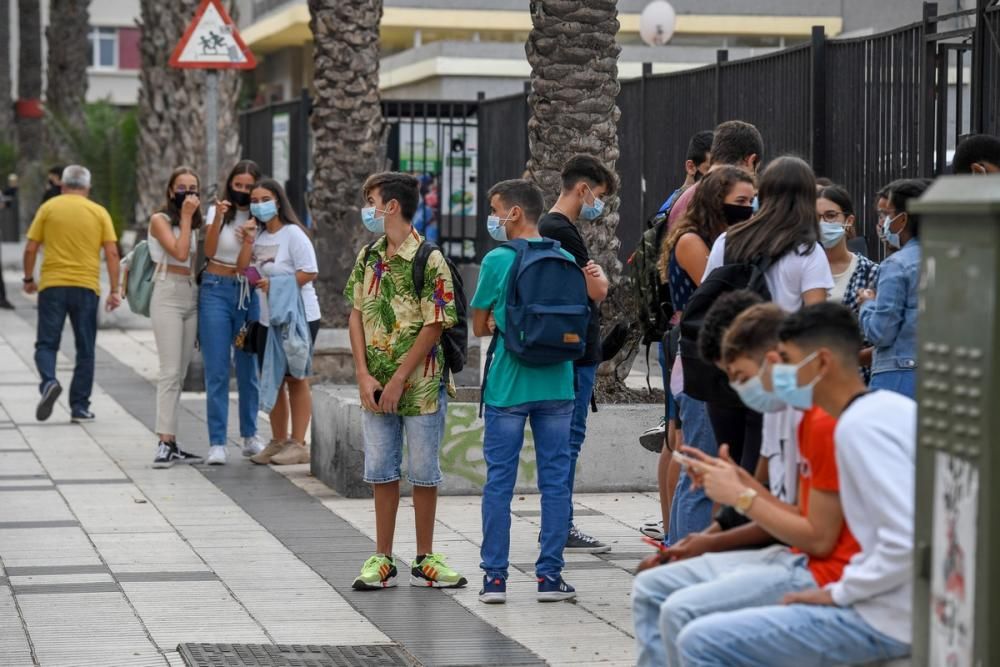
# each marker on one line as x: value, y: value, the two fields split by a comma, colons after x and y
x: 396, y: 329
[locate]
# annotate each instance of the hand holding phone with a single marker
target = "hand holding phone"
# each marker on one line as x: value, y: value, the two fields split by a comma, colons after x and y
x: 656, y: 544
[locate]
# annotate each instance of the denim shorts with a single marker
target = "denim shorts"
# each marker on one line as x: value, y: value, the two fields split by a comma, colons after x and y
x: 384, y: 445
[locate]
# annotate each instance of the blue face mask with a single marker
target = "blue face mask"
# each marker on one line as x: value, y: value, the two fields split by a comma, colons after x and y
x: 264, y: 211
x: 755, y: 397
x: 371, y: 223
x: 831, y: 233
x: 497, y: 228
x: 786, y: 384
x: 755, y: 204
x: 592, y: 211
x: 892, y: 238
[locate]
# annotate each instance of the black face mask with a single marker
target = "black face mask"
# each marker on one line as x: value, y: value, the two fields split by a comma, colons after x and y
x: 53, y: 189
x: 179, y: 198
x: 736, y: 214
x: 239, y: 199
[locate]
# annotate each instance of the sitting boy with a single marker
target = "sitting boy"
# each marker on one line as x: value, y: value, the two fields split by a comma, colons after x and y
x: 668, y: 598
x: 865, y: 614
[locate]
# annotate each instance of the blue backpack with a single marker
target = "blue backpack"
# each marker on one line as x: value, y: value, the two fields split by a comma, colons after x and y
x: 547, y: 308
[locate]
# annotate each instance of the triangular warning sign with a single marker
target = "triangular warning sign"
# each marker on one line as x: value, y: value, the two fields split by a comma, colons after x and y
x: 212, y: 41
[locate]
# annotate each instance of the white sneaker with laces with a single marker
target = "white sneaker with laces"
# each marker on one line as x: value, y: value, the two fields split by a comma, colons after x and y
x: 252, y: 446
x: 216, y: 455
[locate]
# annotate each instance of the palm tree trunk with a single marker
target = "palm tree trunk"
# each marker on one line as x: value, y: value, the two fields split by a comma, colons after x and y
x: 172, y: 107
x: 347, y: 137
x: 7, y: 134
x: 574, y: 84
x: 29, y: 92
x: 66, y: 88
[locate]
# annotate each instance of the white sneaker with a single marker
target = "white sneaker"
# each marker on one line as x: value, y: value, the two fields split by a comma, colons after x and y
x: 252, y: 446
x: 216, y: 455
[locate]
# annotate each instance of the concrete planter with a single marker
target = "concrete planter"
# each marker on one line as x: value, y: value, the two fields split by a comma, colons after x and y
x: 611, y: 461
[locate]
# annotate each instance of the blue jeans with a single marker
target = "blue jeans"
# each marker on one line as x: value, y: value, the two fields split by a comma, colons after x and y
x: 54, y: 304
x: 666, y: 599
x: 585, y: 378
x: 691, y: 509
x: 786, y: 636
x: 219, y: 320
x: 902, y: 382
x: 504, y: 436
x: 384, y: 445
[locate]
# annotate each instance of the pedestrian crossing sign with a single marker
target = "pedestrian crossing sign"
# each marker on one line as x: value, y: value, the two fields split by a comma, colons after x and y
x: 212, y: 41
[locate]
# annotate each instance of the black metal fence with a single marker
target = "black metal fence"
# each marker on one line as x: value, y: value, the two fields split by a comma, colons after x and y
x: 863, y: 111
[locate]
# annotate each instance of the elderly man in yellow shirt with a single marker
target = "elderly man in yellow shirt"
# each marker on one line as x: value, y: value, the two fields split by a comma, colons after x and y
x: 73, y: 230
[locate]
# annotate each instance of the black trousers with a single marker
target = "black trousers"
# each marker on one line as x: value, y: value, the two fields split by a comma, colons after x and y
x: 741, y: 429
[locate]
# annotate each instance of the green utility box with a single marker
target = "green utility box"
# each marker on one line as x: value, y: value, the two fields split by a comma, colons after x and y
x: 956, y: 611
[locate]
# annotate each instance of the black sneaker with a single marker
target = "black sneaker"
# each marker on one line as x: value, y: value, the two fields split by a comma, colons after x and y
x: 186, y: 457
x: 168, y: 453
x: 165, y: 455
x: 584, y: 544
x: 50, y: 394
x: 653, y: 438
x: 6, y: 305
x: 82, y: 416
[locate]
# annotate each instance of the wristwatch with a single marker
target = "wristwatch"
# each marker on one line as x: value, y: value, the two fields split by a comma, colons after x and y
x: 29, y: 279
x: 744, y: 501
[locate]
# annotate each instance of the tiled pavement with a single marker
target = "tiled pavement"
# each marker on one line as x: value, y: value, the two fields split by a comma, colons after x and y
x: 105, y: 561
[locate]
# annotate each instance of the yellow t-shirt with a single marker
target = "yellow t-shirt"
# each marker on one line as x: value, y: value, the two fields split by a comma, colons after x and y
x: 72, y: 228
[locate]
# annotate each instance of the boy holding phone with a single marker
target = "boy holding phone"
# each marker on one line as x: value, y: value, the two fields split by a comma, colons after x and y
x: 667, y: 598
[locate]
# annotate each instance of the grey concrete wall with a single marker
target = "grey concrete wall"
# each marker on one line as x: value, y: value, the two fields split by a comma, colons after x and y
x: 612, y: 459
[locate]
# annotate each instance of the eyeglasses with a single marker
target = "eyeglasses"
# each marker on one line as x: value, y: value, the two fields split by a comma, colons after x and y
x: 832, y: 216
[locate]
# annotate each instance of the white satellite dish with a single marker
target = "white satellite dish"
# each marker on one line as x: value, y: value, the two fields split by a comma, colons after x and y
x: 657, y: 23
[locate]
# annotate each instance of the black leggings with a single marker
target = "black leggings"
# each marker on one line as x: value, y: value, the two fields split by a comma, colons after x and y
x: 741, y: 429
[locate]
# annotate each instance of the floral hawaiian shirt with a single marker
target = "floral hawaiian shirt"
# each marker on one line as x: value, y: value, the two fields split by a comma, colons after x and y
x: 393, y: 314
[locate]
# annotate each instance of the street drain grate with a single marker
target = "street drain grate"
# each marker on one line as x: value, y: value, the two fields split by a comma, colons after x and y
x: 294, y: 655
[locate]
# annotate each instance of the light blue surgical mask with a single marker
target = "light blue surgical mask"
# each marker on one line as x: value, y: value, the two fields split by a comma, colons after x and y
x: 755, y: 204
x: 890, y: 237
x: 264, y: 211
x: 831, y: 233
x: 376, y: 225
x: 786, y: 384
x: 755, y: 397
x: 592, y: 211
x: 497, y: 227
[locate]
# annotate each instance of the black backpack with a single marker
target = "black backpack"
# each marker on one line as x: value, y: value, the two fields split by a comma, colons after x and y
x: 703, y: 381
x: 454, y: 341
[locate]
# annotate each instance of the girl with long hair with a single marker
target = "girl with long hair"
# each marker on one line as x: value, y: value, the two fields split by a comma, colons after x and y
x: 283, y: 247
x: 724, y: 197
x: 173, y: 307
x: 226, y: 304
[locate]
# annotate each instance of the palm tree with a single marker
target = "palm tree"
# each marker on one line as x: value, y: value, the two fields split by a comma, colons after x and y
x: 29, y: 92
x: 573, y: 55
x: 66, y: 88
x: 347, y: 136
x: 172, y: 106
x: 6, y: 102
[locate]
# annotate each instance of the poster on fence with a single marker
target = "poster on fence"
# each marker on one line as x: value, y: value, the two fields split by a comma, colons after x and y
x: 448, y: 151
x: 281, y: 147
x: 953, y: 562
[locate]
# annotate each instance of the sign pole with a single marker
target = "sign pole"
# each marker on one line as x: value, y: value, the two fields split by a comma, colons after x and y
x: 212, y: 131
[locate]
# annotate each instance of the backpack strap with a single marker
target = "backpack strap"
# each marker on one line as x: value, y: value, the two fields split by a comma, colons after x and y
x: 423, y: 253
x: 486, y: 369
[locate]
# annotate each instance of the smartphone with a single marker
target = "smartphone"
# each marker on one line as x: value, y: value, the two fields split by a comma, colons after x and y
x: 252, y: 275
x: 683, y: 459
x: 655, y: 544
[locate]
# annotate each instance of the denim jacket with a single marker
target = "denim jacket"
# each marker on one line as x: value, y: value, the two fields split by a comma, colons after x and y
x: 289, y: 345
x: 890, y: 320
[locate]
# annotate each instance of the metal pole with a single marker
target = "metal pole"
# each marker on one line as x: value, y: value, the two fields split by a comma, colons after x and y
x: 818, y: 100
x: 721, y: 56
x: 927, y: 102
x: 212, y: 132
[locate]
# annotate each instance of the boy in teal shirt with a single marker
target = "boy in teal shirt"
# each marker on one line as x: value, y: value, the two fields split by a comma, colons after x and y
x: 514, y: 394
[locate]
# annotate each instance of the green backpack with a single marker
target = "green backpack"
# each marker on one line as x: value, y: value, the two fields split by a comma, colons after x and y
x: 139, y: 281
x: 651, y: 297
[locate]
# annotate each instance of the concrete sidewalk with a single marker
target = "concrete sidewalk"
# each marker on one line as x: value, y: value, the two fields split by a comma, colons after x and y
x: 105, y: 561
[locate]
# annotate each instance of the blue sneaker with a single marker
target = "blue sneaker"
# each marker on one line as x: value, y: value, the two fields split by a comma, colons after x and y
x: 494, y: 590
x: 81, y: 416
x: 554, y: 589
x: 50, y: 393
